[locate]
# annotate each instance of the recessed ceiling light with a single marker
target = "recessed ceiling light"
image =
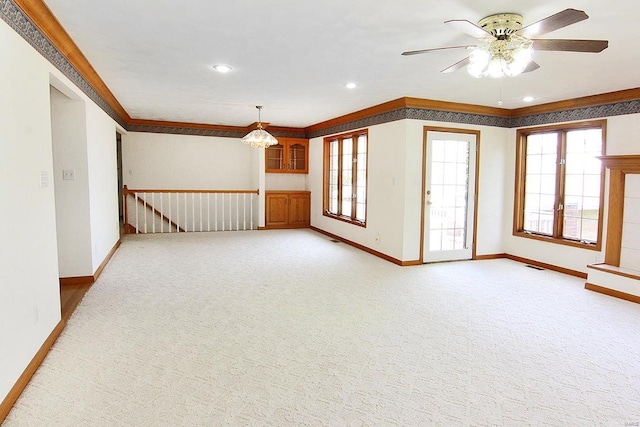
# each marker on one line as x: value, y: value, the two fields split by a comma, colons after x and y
x: 527, y: 98
x: 350, y: 85
x: 221, y: 68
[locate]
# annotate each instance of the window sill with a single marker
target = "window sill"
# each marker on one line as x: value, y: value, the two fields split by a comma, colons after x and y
x: 559, y: 241
x: 346, y: 219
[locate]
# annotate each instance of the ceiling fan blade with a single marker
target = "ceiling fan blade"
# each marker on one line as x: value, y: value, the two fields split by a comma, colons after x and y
x: 418, y: 52
x: 469, y: 28
x: 592, y: 46
x: 552, y: 23
x: 456, y: 66
x: 533, y: 65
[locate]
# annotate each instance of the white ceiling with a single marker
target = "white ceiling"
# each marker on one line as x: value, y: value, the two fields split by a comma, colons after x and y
x: 294, y: 56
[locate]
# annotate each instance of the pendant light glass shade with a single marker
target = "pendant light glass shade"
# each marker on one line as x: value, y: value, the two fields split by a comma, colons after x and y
x: 259, y: 138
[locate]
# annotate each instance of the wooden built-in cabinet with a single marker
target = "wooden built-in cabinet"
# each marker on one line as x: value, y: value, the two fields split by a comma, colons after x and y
x: 290, y: 155
x: 287, y: 209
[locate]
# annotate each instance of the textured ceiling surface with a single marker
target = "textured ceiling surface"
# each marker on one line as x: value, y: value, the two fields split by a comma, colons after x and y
x: 294, y: 57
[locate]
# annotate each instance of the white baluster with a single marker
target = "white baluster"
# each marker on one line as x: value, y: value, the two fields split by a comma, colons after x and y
x: 208, y: 211
x: 169, y: 215
x: 222, y: 211
x: 244, y: 211
x: 161, y: 214
x: 200, y: 195
x: 186, y: 219
x: 251, y: 211
x: 215, y: 210
x: 145, y: 211
x: 135, y: 195
x: 153, y: 213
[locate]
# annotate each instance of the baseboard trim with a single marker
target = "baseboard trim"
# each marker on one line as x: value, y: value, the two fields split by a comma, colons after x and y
x: 106, y: 260
x: 489, y: 256
x: 568, y: 271
x: 612, y: 292
x: 366, y: 249
x: 88, y: 280
x: 79, y: 280
x: 19, y: 386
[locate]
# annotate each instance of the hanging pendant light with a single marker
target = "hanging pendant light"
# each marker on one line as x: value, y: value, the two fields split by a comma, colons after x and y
x: 259, y: 138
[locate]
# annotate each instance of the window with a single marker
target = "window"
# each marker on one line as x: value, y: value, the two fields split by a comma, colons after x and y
x: 345, y: 177
x: 559, y: 184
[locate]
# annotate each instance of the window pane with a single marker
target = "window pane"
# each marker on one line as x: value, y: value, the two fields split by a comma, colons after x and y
x: 361, y: 190
x: 540, y: 182
x: 346, y: 178
x: 333, y: 177
x: 360, y: 212
x: 582, y: 185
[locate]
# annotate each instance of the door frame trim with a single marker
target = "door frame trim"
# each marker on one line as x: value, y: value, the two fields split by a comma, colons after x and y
x: 425, y: 130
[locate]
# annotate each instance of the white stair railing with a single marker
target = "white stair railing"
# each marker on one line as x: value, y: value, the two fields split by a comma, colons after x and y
x: 178, y: 211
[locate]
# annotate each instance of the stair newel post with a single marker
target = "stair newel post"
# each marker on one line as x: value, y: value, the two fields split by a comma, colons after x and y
x: 125, y: 195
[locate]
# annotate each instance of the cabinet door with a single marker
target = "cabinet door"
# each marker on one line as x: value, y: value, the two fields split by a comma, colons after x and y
x: 277, y: 209
x: 298, y: 155
x: 275, y: 158
x: 299, y: 209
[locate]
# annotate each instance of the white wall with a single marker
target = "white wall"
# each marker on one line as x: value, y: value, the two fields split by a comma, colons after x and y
x: 385, y: 191
x: 29, y: 296
x: 622, y: 134
x: 286, y: 181
x: 186, y: 162
x: 69, y: 140
x: 29, y: 286
x: 103, y: 183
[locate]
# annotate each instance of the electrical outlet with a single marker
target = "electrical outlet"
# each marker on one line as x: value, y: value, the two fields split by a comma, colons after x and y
x: 69, y: 174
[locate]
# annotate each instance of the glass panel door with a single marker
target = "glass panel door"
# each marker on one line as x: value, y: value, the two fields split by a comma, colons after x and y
x: 275, y: 157
x: 449, y: 196
x: 297, y: 157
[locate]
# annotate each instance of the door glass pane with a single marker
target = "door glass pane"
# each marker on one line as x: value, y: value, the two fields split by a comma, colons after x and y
x: 449, y: 181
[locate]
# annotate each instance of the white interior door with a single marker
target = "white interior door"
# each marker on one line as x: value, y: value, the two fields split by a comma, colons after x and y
x: 449, y: 196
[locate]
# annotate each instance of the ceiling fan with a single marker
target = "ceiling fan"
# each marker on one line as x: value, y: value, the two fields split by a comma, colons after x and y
x: 505, y: 47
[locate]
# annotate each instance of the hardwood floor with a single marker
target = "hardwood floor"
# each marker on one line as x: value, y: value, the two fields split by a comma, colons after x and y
x: 70, y: 297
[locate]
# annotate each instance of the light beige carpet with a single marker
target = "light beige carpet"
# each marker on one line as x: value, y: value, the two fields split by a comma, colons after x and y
x: 286, y: 328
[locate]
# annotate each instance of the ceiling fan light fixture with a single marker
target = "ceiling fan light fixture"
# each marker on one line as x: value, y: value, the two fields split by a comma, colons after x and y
x: 506, y: 56
x: 259, y: 138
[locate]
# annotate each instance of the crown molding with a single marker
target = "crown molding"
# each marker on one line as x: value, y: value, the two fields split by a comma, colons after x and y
x: 576, y: 103
x: 202, y: 129
x: 42, y: 17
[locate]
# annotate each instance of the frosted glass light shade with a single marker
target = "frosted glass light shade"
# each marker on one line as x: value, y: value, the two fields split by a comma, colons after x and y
x: 259, y: 138
x: 500, y: 58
